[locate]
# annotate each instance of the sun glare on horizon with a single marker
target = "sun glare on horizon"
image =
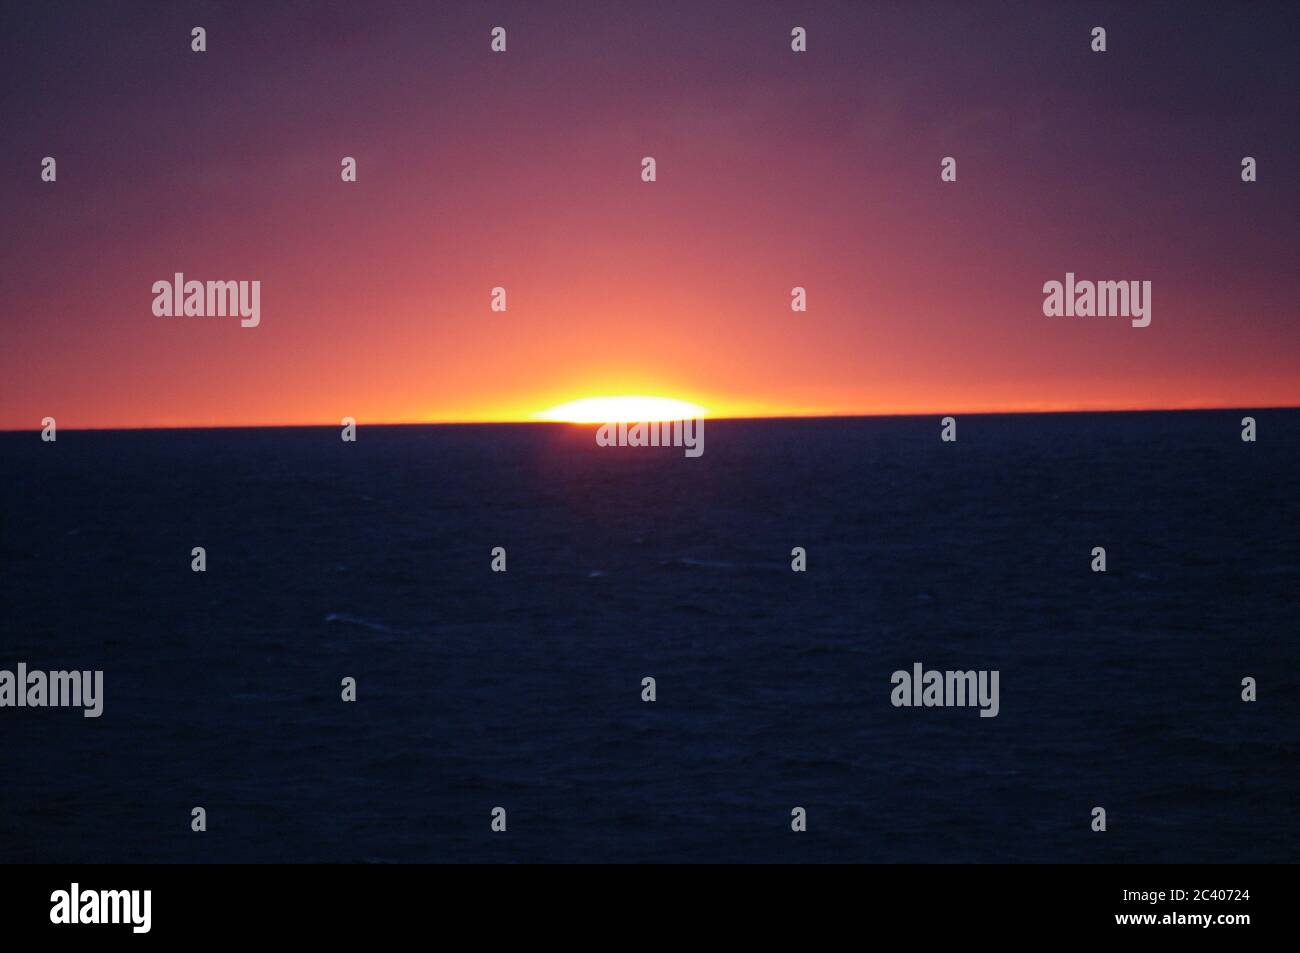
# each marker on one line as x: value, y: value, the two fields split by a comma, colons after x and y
x: 608, y: 410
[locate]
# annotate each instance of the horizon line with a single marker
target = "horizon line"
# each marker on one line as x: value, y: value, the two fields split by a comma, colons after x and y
x: 737, y: 417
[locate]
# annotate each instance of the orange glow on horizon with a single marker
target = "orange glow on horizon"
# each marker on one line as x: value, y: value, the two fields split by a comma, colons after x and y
x: 596, y: 411
x: 629, y: 409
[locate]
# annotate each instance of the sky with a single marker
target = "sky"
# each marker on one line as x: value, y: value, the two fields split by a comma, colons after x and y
x: 522, y: 170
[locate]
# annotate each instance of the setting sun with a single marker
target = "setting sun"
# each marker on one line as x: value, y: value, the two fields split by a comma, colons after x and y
x: 601, y: 410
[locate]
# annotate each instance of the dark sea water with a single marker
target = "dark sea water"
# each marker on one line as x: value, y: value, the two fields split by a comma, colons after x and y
x: 522, y: 689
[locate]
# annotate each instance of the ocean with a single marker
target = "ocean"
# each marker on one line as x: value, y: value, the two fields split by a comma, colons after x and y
x: 523, y: 689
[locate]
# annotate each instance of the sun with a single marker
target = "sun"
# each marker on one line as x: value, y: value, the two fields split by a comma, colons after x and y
x: 609, y: 410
